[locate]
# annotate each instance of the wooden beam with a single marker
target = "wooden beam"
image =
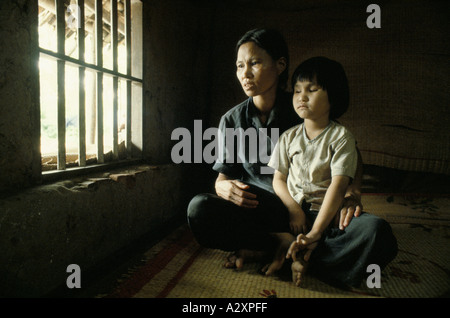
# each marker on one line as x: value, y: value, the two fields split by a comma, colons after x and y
x: 128, y: 91
x: 81, y: 89
x: 114, y: 44
x: 99, y: 87
x: 61, y: 108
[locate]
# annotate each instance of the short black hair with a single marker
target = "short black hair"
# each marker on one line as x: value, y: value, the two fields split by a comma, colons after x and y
x: 272, y: 41
x: 329, y: 75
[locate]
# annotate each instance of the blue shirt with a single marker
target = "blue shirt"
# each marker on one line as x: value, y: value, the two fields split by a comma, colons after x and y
x: 246, y: 144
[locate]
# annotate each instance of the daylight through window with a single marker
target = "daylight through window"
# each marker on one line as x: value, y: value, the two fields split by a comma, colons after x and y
x: 90, y: 68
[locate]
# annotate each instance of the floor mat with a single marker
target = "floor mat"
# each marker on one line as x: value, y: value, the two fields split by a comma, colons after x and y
x: 177, y: 267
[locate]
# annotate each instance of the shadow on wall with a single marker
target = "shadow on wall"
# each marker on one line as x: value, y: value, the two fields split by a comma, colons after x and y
x: 83, y: 222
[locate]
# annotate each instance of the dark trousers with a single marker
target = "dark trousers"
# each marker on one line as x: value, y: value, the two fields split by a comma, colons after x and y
x: 341, y: 258
x: 218, y: 223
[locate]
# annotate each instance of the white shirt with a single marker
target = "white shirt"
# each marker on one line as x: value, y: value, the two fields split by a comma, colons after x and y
x: 310, y: 164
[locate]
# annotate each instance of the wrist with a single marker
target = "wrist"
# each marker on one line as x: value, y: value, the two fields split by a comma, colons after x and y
x: 315, y: 234
x: 295, y: 210
x: 353, y: 196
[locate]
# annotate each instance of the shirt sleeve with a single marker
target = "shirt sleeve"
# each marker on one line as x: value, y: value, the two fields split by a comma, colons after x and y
x: 225, y: 163
x: 345, y: 157
x: 279, y: 159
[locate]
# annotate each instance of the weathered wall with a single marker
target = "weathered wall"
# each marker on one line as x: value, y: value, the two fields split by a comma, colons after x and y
x: 19, y: 95
x: 44, y: 228
x: 177, y: 70
x: 82, y: 221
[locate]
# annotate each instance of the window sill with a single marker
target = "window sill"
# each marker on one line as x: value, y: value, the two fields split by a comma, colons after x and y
x: 59, y: 175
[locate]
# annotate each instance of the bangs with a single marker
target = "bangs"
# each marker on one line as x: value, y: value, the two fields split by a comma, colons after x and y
x: 307, y: 76
x: 311, y: 71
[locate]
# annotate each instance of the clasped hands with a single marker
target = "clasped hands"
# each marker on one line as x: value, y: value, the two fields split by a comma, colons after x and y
x: 236, y: 192
x: 308, y: 241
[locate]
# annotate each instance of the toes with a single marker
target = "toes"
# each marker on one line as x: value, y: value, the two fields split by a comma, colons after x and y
x: 228, y: 265
x: 230, y: 262
x: 298, y: 282
x: 297, y: 278
x: 298, y: 271
x: 271, y: 269
x: 239, y: 262
x: 265, y: 268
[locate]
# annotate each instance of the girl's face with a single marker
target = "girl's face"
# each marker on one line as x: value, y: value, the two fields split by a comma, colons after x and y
x: 257, y: 72
x: 311, y: 101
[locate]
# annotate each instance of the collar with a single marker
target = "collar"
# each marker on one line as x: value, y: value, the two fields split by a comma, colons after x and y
x: 252, y: 113
x: 305, y: 137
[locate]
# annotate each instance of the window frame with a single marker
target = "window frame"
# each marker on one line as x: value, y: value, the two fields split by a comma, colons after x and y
x: 132, y: 156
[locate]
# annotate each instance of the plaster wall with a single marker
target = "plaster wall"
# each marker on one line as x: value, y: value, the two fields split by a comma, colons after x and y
x: 82, y: 221
x: 46, y: 227
x: 19, y: 95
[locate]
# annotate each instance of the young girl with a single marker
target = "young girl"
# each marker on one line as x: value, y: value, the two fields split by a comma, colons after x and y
x: 314, y: 163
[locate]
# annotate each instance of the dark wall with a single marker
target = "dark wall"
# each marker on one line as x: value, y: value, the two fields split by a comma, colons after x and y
x: 177, y: 70
x: 19, y: 95
x: 398, y: 73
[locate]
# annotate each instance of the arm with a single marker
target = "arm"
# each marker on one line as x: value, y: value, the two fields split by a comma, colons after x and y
x: 352, y: 204
x: 234, y: 191
x: 297, y: 219
x: 331, y: 204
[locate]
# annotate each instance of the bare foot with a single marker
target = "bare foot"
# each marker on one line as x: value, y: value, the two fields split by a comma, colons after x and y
x: 298, y: 268
x: 237, y: 259
x: 285, y: 240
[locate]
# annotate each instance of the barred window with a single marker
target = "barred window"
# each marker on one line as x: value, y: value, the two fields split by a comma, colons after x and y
x: 90, y: 69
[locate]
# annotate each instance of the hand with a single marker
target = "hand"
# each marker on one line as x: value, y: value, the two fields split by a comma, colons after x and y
x: 352, y: 207
x: 234, y: 191
x: 297, y: 221
x: 303, y: 242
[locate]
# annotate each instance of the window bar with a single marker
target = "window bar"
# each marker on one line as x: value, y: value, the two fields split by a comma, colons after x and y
x: 61, y: 107
x: 75, y: 62
x: 114, y: 44
x: 99, y: 87
x: 128, y: 50
x: 81, y: 87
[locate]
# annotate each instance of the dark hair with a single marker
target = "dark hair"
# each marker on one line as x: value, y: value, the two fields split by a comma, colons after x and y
x: 273, y: 43
x: 329, y: 75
